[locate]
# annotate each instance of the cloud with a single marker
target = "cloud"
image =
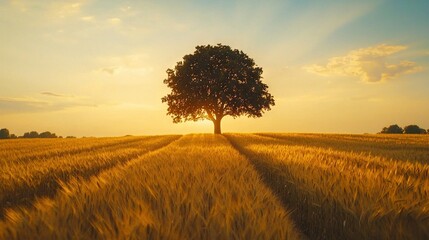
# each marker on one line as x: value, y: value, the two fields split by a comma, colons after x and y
x: 14, y: 105
x: 42, y: 104
x: 29, y: 101
x: 116, y: 70
x: 21, y: 5
x: 108, y: 70
x: 52, y: 94
x: 114, y: 21
x: 366, y: 98
x: 125, y: 9
x: 87, y: 18
x: 134, y: 64
x: 369, y: 64
x: 66, y: 9
x: 50, y: 9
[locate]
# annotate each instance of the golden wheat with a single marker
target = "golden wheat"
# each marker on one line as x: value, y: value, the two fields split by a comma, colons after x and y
x: 198, y: 187
x: 23, y: 180
x: 342, y: 194
x: 22, y: 150
x: 403, y: 147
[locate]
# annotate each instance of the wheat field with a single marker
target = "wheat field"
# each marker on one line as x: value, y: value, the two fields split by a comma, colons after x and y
x: 231, y: 186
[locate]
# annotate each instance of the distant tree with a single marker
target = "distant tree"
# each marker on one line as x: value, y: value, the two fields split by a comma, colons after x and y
x: 13, y: 136
x: 413, y: 129
x: 47, y: 135
x: 44, y: 135
x: 4, y: 133
x: 423, y: 131
x: 70, y: 137
x: 393, y: 129
x: 32, y: 134
x: 214, y: 82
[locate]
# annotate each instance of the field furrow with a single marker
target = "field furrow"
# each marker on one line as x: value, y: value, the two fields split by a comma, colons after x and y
x: 414, y: 148
x: 23, y: 181
x: 342, y: 194
x: 198, y: 187
x: 42, y: 149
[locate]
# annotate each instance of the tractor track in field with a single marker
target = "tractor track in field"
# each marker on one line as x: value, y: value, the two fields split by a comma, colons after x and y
x: 275, y: 182
x: 321, y: 217
x: 391, y: 150
x: 51, y: 184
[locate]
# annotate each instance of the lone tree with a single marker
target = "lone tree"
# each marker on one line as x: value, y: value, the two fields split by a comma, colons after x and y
x: 214, y: 82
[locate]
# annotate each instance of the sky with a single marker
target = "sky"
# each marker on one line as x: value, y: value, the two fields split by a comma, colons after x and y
x: 96, y: 68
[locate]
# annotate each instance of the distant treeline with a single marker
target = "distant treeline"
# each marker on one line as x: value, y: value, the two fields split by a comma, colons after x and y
x: 5, y: 134
x: 410, y: 129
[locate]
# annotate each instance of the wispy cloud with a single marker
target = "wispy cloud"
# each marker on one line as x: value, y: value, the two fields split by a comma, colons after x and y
x: 108, y: 70
x: 57, y: 9
x: 29, y: 101
x: 17, y: 105
x: 42, y: 104
x: 114, y: 21
x: 66, y: 9
x: 125, y: 8
x: 134, y: 64
x: 369, y: 64
x: 87, y: 18
x: 53, y: 94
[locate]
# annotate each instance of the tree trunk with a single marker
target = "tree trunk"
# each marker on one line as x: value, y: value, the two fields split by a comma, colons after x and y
x: 216, y: 123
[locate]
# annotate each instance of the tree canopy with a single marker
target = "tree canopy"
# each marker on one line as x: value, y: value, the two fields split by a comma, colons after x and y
x: 214, y: 82
x: 32, y: 134
x: 47, y: 134
x: 4, y: 133
x: 395, y: 129
x: 414, y: 129
x: 410, y: 129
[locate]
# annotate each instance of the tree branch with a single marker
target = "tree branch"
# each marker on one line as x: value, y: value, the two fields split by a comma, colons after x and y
x: 210, y: 115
